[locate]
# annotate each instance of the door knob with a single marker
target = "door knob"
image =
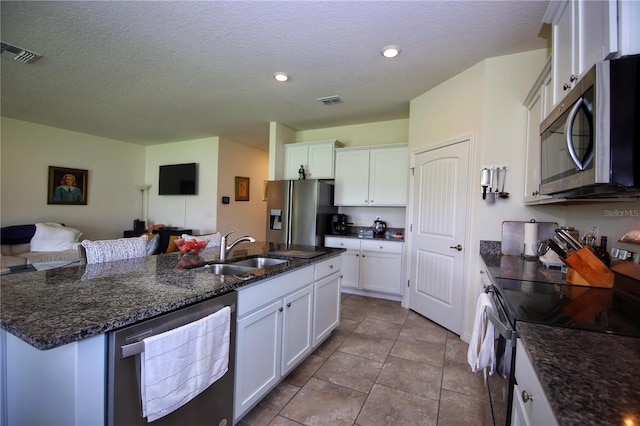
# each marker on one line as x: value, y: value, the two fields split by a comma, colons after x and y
x: 458, y: 247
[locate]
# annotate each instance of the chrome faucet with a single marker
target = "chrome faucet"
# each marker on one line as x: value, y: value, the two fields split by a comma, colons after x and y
x: 225, y: 249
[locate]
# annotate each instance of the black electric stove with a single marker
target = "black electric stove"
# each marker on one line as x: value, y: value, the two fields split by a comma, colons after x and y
x: 615, y: 311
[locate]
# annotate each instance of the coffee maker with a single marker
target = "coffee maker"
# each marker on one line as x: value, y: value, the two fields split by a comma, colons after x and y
x: 339, y: 224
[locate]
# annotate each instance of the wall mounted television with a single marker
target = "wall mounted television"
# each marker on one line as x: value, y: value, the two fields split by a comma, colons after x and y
x: 178, y: 179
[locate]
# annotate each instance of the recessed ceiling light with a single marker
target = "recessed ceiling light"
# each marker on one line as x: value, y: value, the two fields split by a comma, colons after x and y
x: 281, y: 76
x: 390, y: 51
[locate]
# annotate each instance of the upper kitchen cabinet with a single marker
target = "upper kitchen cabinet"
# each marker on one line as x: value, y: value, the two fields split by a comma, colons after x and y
x: 586, y: 32
x: 371, y: 176
x: 317, y: 158
x: 539, y: 103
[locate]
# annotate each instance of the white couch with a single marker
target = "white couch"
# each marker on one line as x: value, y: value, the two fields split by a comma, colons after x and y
x: 42, y: 242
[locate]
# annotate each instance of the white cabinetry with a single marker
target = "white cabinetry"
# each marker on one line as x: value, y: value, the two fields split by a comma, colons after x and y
x: 586, y: 32
x: 539, y: 103
x: 297, y: 326
x: 530, y: 404
x: 326, y: 301
x: 370, y: 266
x: 268, y: 340
x: 317, y: 158
x: 61, y: 386
x: 280, y: 321
x: 371, y: 176
x: 381, y: 266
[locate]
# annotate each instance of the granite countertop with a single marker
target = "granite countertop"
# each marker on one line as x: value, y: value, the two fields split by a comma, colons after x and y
x: 51, y: 308
x: 588, y: 377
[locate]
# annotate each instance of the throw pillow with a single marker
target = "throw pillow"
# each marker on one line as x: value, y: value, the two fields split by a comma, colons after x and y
x: 212, y: 240
x: 54, y: 237
x: 152, y: 245
x: 108, y: 250
x: 17, y: 234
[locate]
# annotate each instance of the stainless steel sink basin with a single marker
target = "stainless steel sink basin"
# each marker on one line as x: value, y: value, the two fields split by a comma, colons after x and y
x: 224, y: 269
x: 260, y: 262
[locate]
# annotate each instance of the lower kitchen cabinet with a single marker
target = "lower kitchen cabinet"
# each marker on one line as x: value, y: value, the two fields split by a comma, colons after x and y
x: 297, y: 326
x: 371, y: 267
x: 530, y: 404
x: 381, y: 266
x: 280, y: 321
x: 326, y: 301
x: 258, y: 346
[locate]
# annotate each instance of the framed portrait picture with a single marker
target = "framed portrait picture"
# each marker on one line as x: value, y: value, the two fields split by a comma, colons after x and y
x: 67, y: 186
x: 242, y: 188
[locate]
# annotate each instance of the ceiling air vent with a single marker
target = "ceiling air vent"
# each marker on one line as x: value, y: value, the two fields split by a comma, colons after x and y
x: 330, y: 100
x: 20, y: 55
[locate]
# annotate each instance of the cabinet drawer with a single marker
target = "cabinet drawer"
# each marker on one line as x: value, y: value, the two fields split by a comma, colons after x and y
x: 328, y: 267
x: 252, y: 297
x: 382, y: 246
x: 338, y: 242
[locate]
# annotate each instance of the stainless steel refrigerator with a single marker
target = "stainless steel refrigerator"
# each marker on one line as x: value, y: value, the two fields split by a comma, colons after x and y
x: 299, y: 211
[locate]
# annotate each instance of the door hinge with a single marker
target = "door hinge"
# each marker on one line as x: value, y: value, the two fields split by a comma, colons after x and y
x: 408, y: 283
x: 413, y: 169
x: 411, y: 227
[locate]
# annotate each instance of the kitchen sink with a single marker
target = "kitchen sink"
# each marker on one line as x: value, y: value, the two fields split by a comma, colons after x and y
x: 260, y: 262
x: 224, y: 269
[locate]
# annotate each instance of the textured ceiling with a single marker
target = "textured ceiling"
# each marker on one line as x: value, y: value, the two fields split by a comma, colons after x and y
x: 164, y: 71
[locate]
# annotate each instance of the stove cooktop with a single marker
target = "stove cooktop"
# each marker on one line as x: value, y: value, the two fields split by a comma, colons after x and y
x: 615, y: 311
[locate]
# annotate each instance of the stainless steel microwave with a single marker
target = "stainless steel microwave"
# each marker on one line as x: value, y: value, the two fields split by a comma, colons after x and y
x: 590, y: 142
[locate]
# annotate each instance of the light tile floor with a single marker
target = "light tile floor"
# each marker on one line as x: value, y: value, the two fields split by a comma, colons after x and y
x: 384, y: 365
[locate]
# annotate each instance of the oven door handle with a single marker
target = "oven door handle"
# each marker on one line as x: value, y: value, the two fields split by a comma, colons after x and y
x: 505, y: 331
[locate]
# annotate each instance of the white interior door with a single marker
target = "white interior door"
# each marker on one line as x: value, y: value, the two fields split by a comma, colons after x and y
x: 439, y: 229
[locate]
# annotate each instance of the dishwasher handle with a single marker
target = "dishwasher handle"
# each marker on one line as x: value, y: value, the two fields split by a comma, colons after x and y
x: 138, y: 344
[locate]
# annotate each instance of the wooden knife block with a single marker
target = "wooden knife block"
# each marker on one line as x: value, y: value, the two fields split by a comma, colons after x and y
x: 586, y: 269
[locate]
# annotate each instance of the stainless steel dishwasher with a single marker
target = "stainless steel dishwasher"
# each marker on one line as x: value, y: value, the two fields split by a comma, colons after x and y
x: 212, y: 407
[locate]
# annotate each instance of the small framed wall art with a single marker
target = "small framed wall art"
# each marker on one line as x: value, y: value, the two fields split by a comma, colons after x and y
x: 242, y: 188
x: 67, y: 186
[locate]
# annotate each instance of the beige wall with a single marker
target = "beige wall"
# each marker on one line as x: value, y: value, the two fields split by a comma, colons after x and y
x: 243, y: 217
x: 115, y: 169
x: 278, y: 136
x: 485, y: 103
x: 377, y: 133
x: 197, y: 212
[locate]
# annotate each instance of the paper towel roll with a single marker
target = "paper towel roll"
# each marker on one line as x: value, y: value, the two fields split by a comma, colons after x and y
x: 531, y: 239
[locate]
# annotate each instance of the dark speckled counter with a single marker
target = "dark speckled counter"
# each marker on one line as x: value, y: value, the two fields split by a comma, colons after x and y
x: 51, y: 308
x: 590, y: 378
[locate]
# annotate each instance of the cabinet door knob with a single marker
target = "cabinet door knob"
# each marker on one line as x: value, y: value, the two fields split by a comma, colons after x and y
x: 289, y: 305
x: 330, y: 266
x: 280, y: 309
x: 526, y: 397
x: 458, y: 247
x: 573, y: 78
x: 566, y: 86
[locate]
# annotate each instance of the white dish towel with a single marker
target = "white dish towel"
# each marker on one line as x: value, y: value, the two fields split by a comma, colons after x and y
x: 481, y: 353
x: 179, y: 364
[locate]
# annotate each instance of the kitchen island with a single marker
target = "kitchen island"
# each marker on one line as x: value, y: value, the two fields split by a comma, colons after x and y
x: 58, y: 319
x: 588, y: 377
